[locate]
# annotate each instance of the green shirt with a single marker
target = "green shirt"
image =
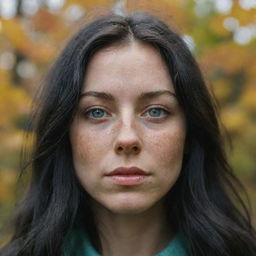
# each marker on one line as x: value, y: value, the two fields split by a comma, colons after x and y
x: 79, y: 245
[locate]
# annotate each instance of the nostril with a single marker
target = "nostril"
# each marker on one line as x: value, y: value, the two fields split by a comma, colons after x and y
x: 128, y: 149
x: 119, y: 148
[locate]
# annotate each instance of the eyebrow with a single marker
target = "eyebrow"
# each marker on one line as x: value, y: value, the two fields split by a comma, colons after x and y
x: 142, y: 96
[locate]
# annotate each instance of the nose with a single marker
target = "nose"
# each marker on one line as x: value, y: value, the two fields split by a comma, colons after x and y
x: 127, y: 141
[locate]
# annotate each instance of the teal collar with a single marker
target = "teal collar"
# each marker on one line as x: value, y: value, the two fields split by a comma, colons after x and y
x: 80, y: 245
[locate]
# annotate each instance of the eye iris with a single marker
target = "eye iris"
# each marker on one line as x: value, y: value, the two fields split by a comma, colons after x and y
x: 155, y: 112
x: 96, y: 113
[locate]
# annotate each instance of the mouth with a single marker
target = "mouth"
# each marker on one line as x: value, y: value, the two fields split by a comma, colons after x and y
x: 128, y: 176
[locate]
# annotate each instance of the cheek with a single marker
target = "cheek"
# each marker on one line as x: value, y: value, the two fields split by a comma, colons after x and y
x: 168, y: 146
x: 87, y: 147
x: 167, y: 152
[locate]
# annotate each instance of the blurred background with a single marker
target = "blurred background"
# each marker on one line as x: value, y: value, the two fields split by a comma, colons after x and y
x: 220, y: 33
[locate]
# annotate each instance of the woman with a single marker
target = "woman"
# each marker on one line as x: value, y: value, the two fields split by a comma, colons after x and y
x: 128, y: 158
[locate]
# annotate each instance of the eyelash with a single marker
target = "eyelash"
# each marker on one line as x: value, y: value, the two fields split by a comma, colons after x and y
x: 166, y: 113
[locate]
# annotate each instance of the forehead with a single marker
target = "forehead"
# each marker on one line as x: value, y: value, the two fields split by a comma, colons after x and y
x: 132, y: 68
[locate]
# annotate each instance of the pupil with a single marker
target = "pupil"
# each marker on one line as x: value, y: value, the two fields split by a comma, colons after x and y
x: 155, y: 112
x: 97, y: 113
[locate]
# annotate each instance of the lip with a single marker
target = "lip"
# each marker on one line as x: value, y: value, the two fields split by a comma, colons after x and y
x: 128, y: 176
x: 127, y: 171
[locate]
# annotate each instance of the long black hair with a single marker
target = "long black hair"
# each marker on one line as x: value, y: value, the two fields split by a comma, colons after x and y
x: 203, y: 205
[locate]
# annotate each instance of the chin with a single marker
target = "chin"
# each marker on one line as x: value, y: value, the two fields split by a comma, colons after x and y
x: 129, y: 205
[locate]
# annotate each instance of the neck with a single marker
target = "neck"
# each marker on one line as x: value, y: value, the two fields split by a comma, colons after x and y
x: 142, y: 234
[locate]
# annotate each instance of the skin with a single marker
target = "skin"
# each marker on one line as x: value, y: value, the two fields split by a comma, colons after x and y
x: 129, y: 132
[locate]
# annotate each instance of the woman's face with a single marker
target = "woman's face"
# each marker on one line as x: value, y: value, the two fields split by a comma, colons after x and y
x: 128, y: 116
